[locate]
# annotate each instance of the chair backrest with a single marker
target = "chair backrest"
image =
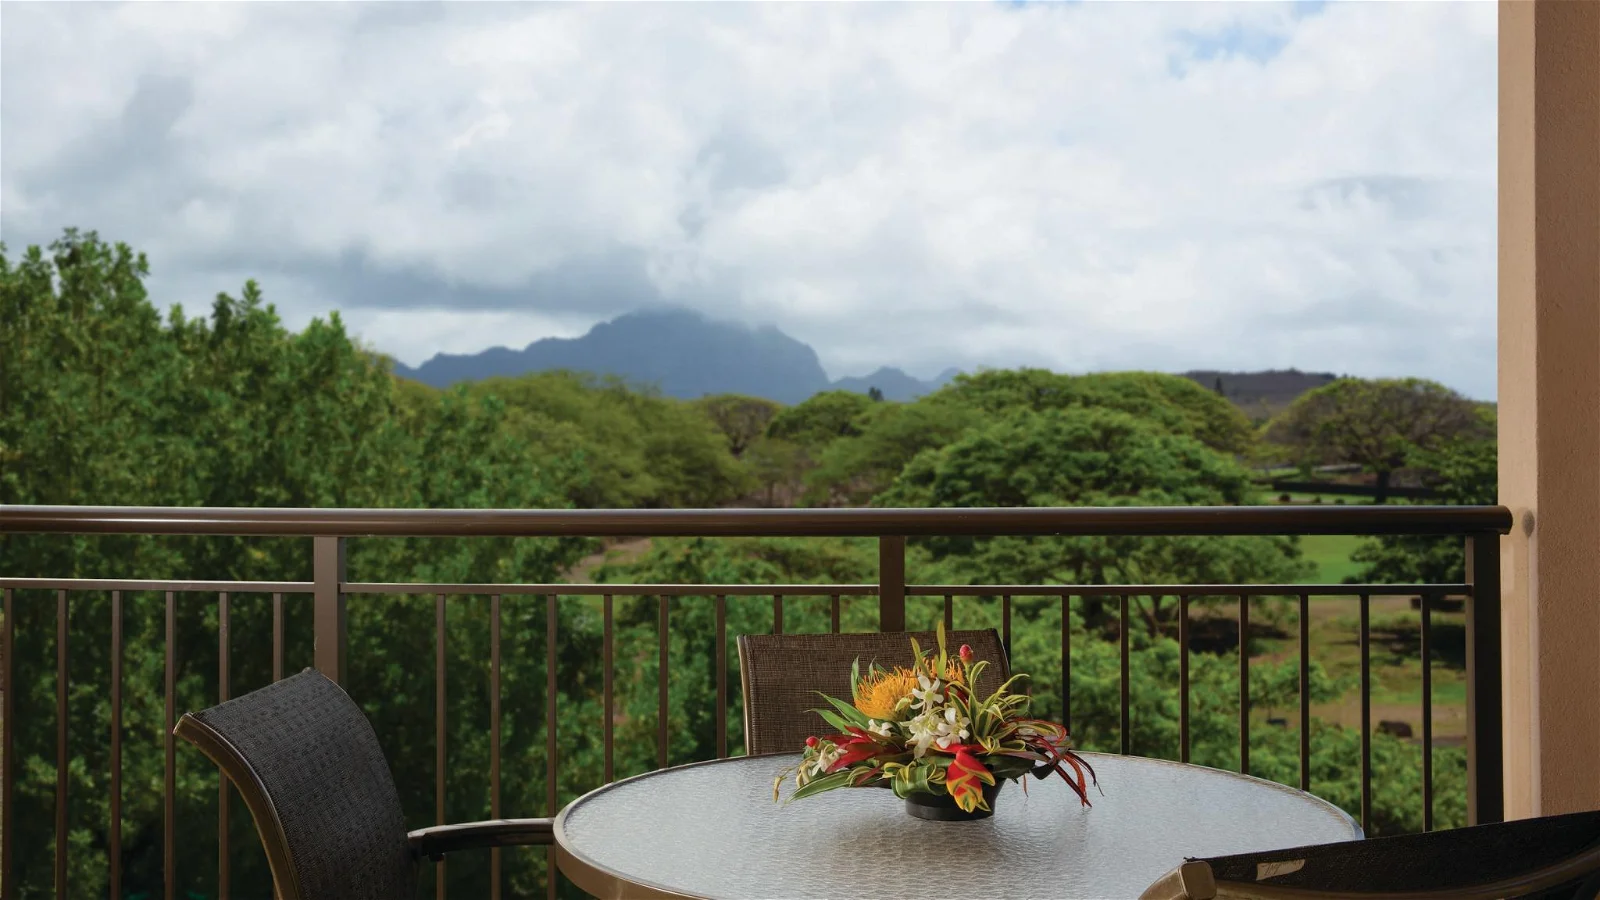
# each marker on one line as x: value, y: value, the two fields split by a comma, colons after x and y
x: 783, y: 672
x: 310, y: 769
x: 1545, y: 858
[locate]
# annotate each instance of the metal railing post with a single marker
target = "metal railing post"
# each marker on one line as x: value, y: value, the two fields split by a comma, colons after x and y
x: 891, y: 584
x: 328, y: 612
x: 1485, y: 750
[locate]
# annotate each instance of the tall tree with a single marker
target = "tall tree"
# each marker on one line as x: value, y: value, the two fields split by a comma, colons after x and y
x: 1377, y: 424
x: 1460, y: 471
x: 741, y: 419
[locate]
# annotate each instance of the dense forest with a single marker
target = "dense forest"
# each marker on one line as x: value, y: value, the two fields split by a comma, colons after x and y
x: 105, y: 398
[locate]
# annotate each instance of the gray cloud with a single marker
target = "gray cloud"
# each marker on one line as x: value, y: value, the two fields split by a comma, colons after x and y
x: 602, y: 285
x: 1155, y: 186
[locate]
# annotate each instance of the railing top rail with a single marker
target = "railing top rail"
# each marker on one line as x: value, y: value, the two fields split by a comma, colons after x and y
x: 1136, y: 520
x: 637, y: 589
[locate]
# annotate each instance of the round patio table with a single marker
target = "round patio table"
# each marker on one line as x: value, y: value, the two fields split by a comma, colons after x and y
x: 712, y: 830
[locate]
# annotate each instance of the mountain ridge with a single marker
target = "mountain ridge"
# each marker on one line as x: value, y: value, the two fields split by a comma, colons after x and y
x: 687, y: 354
x: 684, y: 353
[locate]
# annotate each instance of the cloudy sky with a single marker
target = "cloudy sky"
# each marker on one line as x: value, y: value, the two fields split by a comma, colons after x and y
x: 1085, y: 186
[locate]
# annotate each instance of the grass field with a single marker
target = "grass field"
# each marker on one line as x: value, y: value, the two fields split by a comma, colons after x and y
x: 1396, y: 662
x: 1330, y: 553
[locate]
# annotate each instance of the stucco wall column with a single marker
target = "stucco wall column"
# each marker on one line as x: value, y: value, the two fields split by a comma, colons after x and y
x: 1549, y: 395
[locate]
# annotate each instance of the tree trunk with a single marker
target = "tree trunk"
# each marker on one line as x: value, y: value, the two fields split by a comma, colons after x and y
x: 1154, y: 617
x: 1380, y: 493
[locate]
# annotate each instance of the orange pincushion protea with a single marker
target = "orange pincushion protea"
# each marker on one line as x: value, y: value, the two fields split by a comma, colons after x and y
x: 880, y: 690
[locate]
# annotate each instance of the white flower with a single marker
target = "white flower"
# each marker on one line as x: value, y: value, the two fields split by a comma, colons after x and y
x: 927, y: 695
x: 933, y: 728
x: 879, y: 728
x: 827, y: 754
x: 924, y: 730
x: 952, y: 729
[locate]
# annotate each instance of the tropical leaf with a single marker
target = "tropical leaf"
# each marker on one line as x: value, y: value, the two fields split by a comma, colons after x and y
x: 852, y: 715
x: 825, y: 783
x: 1078, y: 764
x: 1005, y: 688
x: 860, y: 777
x: 911, y: 779
x: 833, y: 719
x: 782, y: 777
x: 1007, y: 766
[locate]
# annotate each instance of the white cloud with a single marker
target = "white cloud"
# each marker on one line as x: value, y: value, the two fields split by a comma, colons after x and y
x: 1096, y: 185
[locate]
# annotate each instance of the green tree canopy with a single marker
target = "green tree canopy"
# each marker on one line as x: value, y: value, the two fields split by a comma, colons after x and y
x: 639, y: 449
x: 820, y: 419
x: 1462, y: 470
x: 741, y: 419
x: 1378, y: 424
x: 1089, y: 457
x: 1175, y: 403
x: 1073, y: 457
x: 852, y: 469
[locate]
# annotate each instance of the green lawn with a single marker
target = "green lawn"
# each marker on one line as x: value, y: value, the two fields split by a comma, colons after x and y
x: 1396, y: 666
x: 1330, y: 553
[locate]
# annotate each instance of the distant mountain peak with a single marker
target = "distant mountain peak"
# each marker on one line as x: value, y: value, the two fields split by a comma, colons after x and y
x: 1261, y: 394
x: 893, y: 382
x: 681, y: 351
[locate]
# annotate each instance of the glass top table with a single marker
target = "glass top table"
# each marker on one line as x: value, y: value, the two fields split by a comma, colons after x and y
x: 711, y: 830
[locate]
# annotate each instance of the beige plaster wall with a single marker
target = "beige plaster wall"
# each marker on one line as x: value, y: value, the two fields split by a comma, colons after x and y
x: 1549, y: 395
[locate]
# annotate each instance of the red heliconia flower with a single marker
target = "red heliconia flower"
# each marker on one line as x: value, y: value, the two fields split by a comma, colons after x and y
x: 964, y: 780
x: 966, y: 653
x: 811, y: 741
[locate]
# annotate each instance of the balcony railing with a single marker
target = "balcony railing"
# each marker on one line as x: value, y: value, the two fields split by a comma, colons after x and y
x: 328, y: 529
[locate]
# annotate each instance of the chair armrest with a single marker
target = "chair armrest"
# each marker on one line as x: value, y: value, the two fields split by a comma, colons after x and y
x: 1190, y: 881
x: 435, y: 842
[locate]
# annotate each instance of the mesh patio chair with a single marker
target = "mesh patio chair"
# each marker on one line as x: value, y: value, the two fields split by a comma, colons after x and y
x: 309, y: 767
x: 783, y: 672
x: 1553, y: 858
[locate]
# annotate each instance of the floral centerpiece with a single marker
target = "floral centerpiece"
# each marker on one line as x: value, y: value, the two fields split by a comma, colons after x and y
x: 930, y: 733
